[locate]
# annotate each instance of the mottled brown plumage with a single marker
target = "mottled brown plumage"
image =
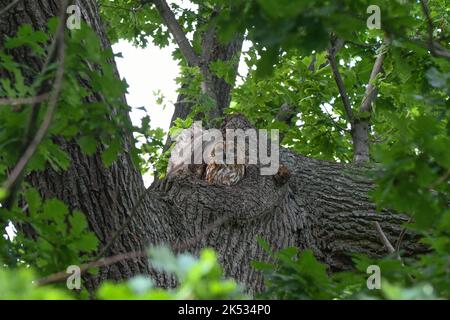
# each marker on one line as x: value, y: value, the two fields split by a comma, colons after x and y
x: 220, y: 173
x: 224, y: 174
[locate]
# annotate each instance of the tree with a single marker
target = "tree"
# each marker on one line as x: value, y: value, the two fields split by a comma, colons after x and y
x: 324, y: 206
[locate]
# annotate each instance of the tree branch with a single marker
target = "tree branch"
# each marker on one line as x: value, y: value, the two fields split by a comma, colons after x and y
x: 335, y: 44
x: 123, y: 227
x: 103, y: 262
x: 383, y: 238
x: 177, y: 32
x: 8, y: 7
x: 434, y: 47
x: 371, y: 90
x: 20, y: 101
x: 389, y: 247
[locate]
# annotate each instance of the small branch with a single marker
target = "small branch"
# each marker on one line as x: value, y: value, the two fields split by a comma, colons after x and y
x: 401, y: 236
x: 440, y: 180
x: 335, y: 123
x: 20, y: 101
x: 177, y: 32
x: 371, y: 90
x: 337, y: 77
x: 124, y: 226
x: 439, y: 51
x: 434, y: 47
x: 8, y: 7
x: 103, y: 262
x: 133, y: 9
x: 383, y: 238
x: 62, y: 275
x: 426, y: 12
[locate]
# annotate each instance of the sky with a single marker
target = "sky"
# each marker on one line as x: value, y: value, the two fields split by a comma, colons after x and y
x: 147, y: 71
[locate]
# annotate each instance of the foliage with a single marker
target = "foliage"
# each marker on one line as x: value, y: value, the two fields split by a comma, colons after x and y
x: 16, y: 284
x: 60, y: 238
x: 197, y: 278
x: 287, y: 64
x: 319, y: 128
x: 298, y: 275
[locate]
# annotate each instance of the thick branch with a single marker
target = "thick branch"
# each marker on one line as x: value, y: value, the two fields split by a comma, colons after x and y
x: 177, y: 32
x: 339, y: 82
x: 371, y: 91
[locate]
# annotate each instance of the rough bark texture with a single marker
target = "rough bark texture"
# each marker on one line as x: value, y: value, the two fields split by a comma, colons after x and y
x: 360, y: 137
x: 324, y: 206
x: 105, y: 195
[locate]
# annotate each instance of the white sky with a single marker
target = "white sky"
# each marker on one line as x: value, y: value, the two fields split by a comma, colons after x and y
x: 147, y: 71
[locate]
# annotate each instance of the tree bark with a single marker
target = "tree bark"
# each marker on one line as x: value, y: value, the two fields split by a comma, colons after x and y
x: 105, y: 195
x: 324, y: 206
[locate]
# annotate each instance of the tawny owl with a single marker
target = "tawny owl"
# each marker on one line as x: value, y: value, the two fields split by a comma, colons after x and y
x: 220, y: 173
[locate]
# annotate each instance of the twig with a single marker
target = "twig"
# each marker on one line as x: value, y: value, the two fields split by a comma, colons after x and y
x: 8, y: 7
x: 434, y: 47
x: 103, y: 262
x: 62, y: 275
x: 19, y: 101
x: 401, y: 236
x: 133, y: 9
x: 441, y: 179
x: 334, y: 122
x: 383, y: 238
x: 124, y: 226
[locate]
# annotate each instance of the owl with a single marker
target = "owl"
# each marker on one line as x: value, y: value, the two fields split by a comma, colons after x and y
x: 213, y: 169
x: 219, y: 173
x: 224, y: 174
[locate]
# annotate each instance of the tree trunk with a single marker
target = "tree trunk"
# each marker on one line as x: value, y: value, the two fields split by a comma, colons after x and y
x: 220, y: 88
x: 360, y: 137
x: 105, y: 195
x: 324, y: 206
x: 212, y: 50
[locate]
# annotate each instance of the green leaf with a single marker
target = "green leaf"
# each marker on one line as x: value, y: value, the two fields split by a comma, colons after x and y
x: 110, y: 154
x: 78, y: 223
x: 55, y: 209
x: 3, y: 193
x: 87, y: 242
x: 33, y: 200
x: 88, y: 145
